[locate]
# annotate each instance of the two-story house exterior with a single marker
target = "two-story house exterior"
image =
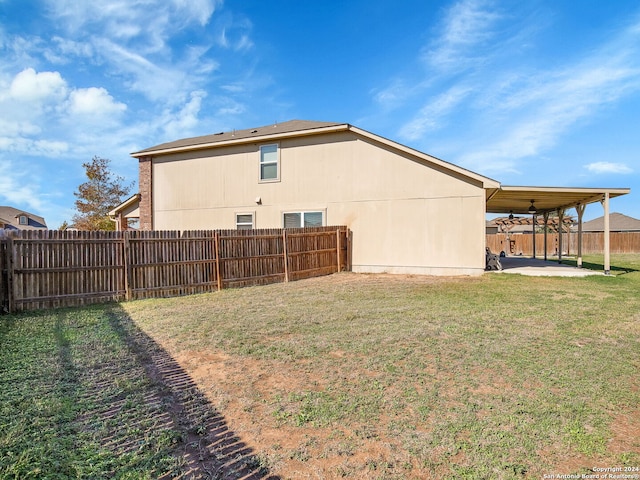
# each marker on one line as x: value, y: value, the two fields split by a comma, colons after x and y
x: 410, y: 212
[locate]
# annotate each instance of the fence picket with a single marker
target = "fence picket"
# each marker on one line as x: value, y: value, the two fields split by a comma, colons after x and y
x: 592, y: 242
x: 45, y: 269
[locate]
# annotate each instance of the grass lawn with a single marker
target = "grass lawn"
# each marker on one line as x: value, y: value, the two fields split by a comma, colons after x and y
x: 346, y: 376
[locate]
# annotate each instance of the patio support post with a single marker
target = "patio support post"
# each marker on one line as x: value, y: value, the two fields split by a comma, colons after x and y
x: 545, y: 215
x: 533, y: 232
x: 560, y: 222
x: 607, y: 253
x: 580, y: 211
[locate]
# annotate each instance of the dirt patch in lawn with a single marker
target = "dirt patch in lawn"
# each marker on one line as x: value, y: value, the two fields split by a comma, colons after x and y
x: 400, y: 376
x: 250, y: 392
x: 625, y: 431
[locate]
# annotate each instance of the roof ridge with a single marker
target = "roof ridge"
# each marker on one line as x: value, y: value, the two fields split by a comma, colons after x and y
x: 288, y: 126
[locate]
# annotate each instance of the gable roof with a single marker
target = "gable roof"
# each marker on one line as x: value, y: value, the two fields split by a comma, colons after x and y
x: 617, y: 223
x: 129, y: 208
x: 10, y: 217
x: 299, y: 128
x: 239, y: 136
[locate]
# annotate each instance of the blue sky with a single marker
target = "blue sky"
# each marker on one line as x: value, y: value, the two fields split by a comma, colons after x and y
x: 542, y: 92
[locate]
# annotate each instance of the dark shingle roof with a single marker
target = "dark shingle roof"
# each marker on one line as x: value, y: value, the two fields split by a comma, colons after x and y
x: 617, y: 223
x: 274, y: 129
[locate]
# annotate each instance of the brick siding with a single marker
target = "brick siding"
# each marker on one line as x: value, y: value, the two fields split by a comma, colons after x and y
x: 145, y: 183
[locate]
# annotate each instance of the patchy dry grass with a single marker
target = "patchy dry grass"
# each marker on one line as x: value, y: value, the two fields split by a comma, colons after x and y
x: 377, y: 376
x: 84, y: 394
x: 347, y: 376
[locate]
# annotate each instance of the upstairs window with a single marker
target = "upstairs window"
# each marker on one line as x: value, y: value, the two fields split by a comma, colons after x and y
x: 23, y: 220
x: 244, y: 221
x: 303, y: 219
x: 269, y: 163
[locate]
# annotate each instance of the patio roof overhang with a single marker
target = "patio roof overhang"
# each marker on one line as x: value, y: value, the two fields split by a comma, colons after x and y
x: 520, y: 200
x: 517, y: 200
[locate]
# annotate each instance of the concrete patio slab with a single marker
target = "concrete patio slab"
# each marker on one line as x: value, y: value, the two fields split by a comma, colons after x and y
x: 536, y: 267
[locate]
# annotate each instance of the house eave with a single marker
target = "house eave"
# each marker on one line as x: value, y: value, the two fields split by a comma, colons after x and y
x: 242, y: 141
x: 129, y: 202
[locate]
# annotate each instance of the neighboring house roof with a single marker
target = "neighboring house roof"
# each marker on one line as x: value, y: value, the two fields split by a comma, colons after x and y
x: 299, y: 128
x: 130, y: 208
x: 10, y: 217
x: 617, y: 223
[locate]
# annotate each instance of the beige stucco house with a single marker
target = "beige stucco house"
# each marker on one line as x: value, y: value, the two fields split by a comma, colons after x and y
x: 409, y: 212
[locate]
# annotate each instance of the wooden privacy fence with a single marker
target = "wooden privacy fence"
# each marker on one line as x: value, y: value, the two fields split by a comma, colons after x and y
x: 46, y: 269
x: 592, y: 242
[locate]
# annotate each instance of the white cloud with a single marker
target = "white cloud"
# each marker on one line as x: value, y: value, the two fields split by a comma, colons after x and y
x: 94, y: 102
x: 41, y: 115
x: 395, y: 94
x: 29, y: 86
x: 467, y: 24
x: 608, y: 167
x: 65, y: 48
x: 179, y: 124
x: 234, y: 34
x: 431, y: 115
x: 149, y: 22
x: 532, y: 116
x: 34, y: 148
x: 16, y: 187
x: 228, y: 106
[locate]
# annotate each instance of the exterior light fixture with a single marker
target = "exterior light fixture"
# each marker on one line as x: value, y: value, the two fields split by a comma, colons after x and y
x: 511, y: 215
x: 532, y: 208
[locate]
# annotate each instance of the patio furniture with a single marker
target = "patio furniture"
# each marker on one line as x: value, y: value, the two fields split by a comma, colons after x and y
x: 492, y: 261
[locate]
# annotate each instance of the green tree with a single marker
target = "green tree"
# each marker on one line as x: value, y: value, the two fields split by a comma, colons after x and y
x: 98, y: 195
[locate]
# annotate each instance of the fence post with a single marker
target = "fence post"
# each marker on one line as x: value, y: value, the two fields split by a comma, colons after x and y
x: 338, y: 250
x: 216, y: 244
x: 286, y: 256
x: 126, y: 265
x: 10, y: 268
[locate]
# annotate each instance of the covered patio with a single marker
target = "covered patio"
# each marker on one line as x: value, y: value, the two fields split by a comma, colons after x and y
x: 537, y: 267
x: 536, y: 201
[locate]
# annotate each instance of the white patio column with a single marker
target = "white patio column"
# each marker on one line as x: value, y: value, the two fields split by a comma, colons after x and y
x: 580, y: 211
x: 607, y: 254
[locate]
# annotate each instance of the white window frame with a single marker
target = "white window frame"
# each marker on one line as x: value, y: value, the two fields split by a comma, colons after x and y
x: 262, y: 163
x: 302, y: 213
x: 23, y: 220
x: 253, y: 220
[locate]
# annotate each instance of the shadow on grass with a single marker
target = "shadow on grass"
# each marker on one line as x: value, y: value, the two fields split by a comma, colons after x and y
x: 199, y: 435
x: 600, y: 266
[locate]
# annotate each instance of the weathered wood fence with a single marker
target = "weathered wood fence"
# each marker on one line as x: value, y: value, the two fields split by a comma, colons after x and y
x: 592, y: 242
x: 47, y: 269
